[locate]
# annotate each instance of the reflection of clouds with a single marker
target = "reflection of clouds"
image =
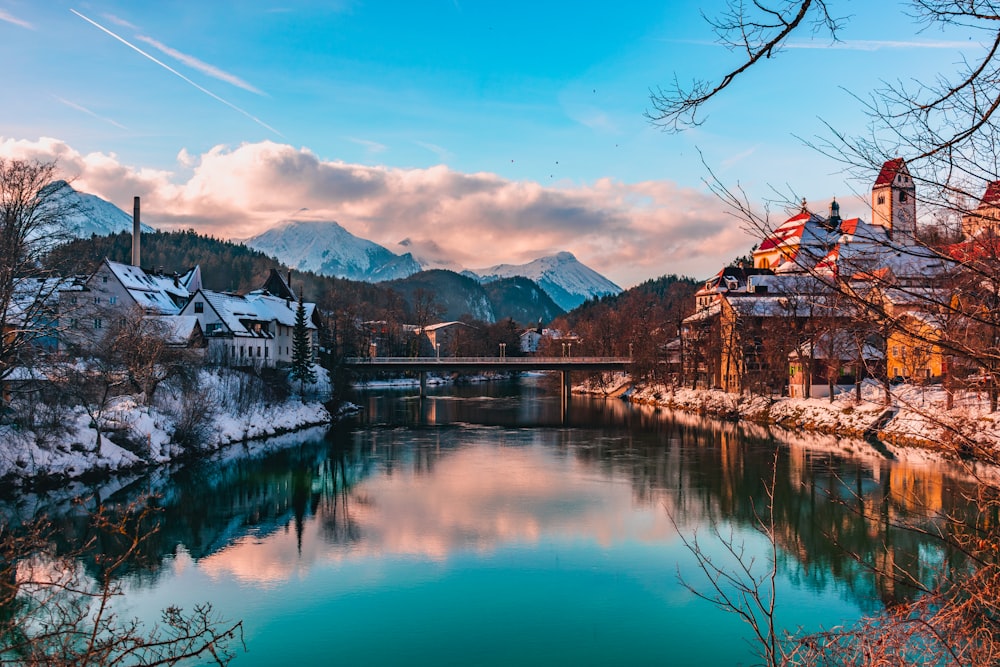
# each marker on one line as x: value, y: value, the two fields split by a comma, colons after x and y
x: 476, y: 499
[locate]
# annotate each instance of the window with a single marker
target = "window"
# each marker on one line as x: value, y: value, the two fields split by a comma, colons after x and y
x: 927, y: 372
x: 241, y: 351
x: 112, y: 300
x: 265, y: 352
x: 902, y: 195
x: 895, y: 350
x: 199, y: 306
x: 104, y: 279
x: 98, y: 323
x: 881, y: 199
x: 74, y: 323
x: 97, y: 300
x: 72, y: 301
x: 234, y: 350
x: 258, y: 350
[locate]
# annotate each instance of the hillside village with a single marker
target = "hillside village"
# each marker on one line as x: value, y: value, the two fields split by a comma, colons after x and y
x: 830, y: 302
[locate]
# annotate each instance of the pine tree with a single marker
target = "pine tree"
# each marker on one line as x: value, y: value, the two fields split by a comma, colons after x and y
x: 302, y: 363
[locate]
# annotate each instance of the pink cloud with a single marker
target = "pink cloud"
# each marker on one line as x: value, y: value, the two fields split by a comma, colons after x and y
x: 628, y: 232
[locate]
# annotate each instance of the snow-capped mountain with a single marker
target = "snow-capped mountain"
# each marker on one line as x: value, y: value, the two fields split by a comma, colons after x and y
x: 327, y: 248
x: 568, y: 281
x: 86, y: 214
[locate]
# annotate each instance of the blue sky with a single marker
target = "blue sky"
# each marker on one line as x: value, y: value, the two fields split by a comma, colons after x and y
x: 483, y: 132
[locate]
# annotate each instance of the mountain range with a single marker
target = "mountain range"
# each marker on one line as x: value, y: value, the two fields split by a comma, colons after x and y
x: 327, y: 248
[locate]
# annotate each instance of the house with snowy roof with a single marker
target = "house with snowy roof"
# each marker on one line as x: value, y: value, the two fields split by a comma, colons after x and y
x: 251, y: 329
x: 808, y: 276
x: 802, y: 240
x: 89, y: 307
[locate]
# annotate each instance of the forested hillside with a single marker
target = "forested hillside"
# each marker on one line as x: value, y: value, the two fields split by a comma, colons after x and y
x: 640, y: 320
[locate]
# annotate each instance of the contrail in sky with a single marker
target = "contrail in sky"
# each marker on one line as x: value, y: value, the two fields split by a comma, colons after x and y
x: 78, y: 107
x: 178, y: 74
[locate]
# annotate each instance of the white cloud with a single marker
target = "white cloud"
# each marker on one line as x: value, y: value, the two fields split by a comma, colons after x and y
x: 118, y: 21
x: 628, y: 232
x: 200, y: 65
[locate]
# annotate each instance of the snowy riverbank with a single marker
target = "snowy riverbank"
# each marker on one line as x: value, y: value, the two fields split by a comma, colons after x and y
x: 916, y: 416
x: 135, y: 436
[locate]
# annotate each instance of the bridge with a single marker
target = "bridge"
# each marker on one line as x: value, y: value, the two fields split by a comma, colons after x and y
x: 424, y: 365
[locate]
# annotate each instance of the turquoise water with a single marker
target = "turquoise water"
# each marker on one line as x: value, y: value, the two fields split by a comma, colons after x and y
x: 496, y: 527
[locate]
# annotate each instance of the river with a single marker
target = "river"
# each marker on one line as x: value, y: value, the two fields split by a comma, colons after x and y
x: 494, y: 525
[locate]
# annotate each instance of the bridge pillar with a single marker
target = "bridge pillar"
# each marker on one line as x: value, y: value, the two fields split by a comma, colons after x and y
x: 567, y: 385
x: 423, y: 384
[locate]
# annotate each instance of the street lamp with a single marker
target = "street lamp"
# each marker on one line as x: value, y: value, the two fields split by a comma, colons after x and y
x: 503, y: 350
x: 439, y: 351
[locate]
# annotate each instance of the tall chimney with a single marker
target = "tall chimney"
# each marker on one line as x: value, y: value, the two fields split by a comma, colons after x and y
x: 136, y: 229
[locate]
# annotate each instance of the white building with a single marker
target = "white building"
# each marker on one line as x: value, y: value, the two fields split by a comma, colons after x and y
x: 257, y: 328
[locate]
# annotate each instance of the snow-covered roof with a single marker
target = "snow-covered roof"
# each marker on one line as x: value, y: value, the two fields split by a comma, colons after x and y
x: 241, y: 313
x: 35, y: 295
x: 704, y: 313
x: 805, y: 238
x: 155, y: 292
x: 805, y: 305
x: 730, y: 279
x: 176, y: 329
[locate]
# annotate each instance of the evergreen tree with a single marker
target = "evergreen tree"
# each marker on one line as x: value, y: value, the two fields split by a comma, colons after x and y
x: 302, y: 363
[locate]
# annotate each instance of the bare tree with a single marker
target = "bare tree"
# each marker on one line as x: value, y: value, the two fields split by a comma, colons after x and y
x: 54, y: 613
x: 141, y: 346
x: 32, y: 223
x: 945, y: 127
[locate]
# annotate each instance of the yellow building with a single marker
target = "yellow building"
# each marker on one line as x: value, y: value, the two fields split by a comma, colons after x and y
x: 911, y: 349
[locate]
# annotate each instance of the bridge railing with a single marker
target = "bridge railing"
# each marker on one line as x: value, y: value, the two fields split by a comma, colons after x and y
x: 513, y: 361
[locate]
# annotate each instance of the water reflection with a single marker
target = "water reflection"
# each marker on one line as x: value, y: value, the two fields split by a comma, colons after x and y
x: 434, y: 479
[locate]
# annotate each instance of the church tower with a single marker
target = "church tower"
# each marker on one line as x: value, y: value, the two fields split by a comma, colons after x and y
x: 894, y: 201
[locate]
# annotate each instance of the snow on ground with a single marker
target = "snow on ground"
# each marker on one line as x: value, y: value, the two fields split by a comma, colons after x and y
x: 74, y: 451
x: 917, y: 416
